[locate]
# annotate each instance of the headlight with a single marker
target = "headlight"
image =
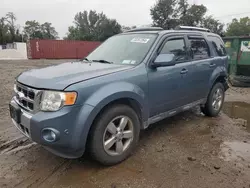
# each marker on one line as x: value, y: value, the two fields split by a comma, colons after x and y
x: 54, y: 100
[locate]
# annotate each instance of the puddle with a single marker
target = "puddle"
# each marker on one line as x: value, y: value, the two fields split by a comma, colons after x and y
x: 237, y: 151
x: 238, y: 110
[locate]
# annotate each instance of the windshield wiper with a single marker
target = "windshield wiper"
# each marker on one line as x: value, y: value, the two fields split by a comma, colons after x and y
x: 102, y: 61
x: 85, y: 59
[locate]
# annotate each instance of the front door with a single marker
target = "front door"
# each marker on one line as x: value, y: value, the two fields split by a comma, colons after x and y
x: 166, y: 91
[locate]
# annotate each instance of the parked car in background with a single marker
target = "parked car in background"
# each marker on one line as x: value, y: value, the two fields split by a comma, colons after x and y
x: 130, y: 81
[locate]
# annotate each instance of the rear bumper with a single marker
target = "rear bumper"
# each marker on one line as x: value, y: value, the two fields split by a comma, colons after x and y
x: 68, y: 124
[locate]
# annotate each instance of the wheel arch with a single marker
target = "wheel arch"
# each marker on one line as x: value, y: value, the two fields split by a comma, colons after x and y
x: 219, y: 75
x: 126, y: 94
x: 132, y: 103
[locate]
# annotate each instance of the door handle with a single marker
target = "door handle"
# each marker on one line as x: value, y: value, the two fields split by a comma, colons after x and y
x: 212, y: 65
x: 184, y: 71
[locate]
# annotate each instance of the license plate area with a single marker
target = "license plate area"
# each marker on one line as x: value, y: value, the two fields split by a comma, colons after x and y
x: 15, y: 113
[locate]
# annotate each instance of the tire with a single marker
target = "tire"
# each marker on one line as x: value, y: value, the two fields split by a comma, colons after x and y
x: 240, y: 81
x: 103, y: 131
x: 212, y: 110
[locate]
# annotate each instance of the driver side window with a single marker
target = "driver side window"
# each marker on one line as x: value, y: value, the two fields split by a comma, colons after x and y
x: 176, y: 47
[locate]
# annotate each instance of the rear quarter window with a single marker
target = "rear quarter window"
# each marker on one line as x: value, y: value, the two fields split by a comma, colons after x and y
x: 218, y: 45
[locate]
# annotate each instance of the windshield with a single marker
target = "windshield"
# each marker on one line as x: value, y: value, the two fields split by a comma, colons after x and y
x: 124, y: 49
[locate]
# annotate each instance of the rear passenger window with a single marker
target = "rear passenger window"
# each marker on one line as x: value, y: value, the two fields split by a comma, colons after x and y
x: 176, y: 47
x: 199, y: 48
x: 218, y: 45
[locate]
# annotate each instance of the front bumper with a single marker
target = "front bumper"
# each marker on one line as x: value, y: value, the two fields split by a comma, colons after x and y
x: 68, y: 122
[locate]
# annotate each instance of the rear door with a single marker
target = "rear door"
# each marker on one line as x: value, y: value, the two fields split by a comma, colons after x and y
x: 203, y: 63
x: 220, y: 54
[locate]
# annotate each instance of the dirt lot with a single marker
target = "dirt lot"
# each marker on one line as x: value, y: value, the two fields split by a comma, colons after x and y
x: 188, y: 150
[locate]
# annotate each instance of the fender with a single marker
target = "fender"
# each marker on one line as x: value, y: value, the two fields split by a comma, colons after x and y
x: 102, y: 97
x: 118, y: 90
x: 219, y: 71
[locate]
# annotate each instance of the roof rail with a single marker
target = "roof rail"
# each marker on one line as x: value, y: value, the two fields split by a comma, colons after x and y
x: 145, y: 29
x: 193, y: 28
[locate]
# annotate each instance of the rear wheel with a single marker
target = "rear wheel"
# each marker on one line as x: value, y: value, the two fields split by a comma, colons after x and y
x: 215, y: 100
x: 114, y: 135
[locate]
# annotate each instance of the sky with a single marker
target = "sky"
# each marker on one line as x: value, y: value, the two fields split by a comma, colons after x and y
x: 127, y: 12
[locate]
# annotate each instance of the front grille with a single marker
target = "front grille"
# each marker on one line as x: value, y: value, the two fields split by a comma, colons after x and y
x: 28, y: 98
x: 26, y: 91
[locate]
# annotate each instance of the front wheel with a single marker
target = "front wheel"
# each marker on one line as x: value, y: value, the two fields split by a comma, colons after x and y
x: 114, y: 134
x: 215, y: 100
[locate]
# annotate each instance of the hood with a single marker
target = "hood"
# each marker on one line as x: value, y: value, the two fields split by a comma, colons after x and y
x: 60, y: 76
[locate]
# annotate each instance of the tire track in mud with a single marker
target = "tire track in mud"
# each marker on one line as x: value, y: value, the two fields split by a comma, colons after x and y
x: 35, y: 180
x: 56, y: 172
x: 15, y: 145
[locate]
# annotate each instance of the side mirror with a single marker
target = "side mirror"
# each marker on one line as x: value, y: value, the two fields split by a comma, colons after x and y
x: 163, y: 60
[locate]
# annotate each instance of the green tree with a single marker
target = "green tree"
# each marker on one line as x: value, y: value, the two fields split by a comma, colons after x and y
x: 73, y: 34
x: 9, y: 31
x: 48, y: 31
x: 164, y: 14
x: 33, y: 30
x: 194, y: 15
x: 214, y: 25
x: 11, y: 18
x: 182, y: 10
x: 239, y: 27
x: 19, y: 36
x: 3, y: 31
x: 92, y: 26
x: 170, y: 13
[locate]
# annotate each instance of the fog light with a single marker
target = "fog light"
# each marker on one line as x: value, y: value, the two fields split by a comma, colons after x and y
x: 50, y: 135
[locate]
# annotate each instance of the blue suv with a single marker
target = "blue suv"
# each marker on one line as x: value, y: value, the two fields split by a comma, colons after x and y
x: 132, y: 80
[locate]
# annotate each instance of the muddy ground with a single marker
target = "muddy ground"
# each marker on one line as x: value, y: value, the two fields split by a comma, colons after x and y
x: 188, y: 150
